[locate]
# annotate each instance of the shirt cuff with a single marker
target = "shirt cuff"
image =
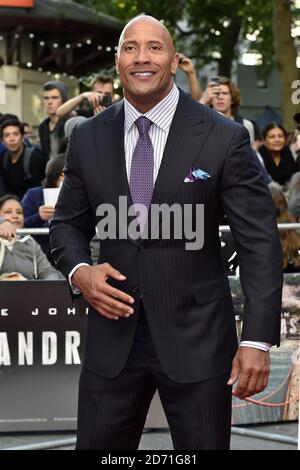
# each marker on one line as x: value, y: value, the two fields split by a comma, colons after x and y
x: 75, y: 290
x: 256, y: 344
x: 2, y: 219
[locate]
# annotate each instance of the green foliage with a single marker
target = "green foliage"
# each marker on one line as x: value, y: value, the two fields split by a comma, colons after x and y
x: 211, y: 30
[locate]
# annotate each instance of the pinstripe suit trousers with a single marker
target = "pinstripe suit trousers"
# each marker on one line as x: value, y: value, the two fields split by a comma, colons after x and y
x: 112, y: 411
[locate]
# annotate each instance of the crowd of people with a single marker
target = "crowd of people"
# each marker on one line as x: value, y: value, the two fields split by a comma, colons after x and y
x: 26, y: 168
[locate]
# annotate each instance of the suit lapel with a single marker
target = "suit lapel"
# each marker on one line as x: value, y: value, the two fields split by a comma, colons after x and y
x: 109, y: 140
x: 188, y: 133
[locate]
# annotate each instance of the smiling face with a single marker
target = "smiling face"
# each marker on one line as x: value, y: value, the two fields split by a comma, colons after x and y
x: 275, y: 139
x: 13, y: 211
x: 146, y: 62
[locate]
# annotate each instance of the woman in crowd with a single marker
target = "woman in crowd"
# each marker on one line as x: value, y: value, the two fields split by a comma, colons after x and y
x: 277, y: 156
x: 36, y: 213
x: 22, y: 257
x: 289, y: 239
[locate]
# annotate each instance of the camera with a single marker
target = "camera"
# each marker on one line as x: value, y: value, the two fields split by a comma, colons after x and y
x: 106, y: 101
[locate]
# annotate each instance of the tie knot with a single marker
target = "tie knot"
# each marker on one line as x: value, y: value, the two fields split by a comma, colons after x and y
x: 143, y: 124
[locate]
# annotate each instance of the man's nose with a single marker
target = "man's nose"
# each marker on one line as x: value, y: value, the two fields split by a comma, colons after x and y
x: 142, y: 56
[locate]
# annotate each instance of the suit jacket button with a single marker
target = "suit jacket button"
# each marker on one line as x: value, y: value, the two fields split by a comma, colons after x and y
x: 135, y: 289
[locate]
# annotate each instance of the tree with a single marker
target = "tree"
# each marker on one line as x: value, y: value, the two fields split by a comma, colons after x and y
x: 214, y: 30
x: 211, y: 28
x: 285, y: 58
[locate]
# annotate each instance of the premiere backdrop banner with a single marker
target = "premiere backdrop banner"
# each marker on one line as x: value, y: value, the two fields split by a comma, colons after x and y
x: 41, y: 341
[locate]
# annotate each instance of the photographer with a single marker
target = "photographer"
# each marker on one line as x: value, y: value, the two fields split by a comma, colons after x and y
x: 98, y: 99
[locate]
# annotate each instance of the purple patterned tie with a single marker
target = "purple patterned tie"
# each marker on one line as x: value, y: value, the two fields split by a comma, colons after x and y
x: 141, y: 173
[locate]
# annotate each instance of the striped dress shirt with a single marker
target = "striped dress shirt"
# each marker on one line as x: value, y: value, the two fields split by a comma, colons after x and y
x: 161, y: 116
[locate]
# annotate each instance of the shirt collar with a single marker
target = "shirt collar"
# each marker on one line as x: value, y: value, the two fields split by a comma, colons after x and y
x: 161, y: 115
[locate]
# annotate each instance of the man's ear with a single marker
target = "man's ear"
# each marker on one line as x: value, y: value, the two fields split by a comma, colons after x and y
x: 175, y: 62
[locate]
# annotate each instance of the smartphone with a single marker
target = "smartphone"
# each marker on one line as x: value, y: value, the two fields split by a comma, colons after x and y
x: 216, y: 80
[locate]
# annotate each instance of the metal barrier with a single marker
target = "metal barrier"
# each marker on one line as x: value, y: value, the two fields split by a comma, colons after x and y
x: 71, y: 441
x: 222, y: 228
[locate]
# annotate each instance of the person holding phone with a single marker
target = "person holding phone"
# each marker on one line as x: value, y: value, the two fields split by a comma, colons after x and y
x: 186, y: 65
x: 212, y: 90
x: 224, y: 97
x: 99, y: 98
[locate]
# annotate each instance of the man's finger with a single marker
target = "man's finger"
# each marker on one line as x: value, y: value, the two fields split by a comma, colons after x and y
x: 112, y: 272
x: 106, y: 311
x: 252, y: 387
x: 263, y: 379
x: 117, y: 294
x: 234, y: 375
x: 242, y: 385
x: 116, y: 307
x: 260, y: 384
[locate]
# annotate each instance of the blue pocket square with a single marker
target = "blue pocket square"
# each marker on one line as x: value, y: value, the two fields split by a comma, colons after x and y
x: 200, y: 175
x: 196, y: 175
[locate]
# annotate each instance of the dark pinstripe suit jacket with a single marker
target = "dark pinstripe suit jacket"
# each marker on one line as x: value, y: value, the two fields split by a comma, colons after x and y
x: 186, y: 293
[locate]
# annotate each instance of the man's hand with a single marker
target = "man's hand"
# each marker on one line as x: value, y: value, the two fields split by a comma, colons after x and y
x: 46, y: 212
x: 98, y: 109
x: 251, y: 368
x: 211, y: 92
x: 7, y: 230
x: 110, y: 302
x: 94, y: 98
x: 185, y: 64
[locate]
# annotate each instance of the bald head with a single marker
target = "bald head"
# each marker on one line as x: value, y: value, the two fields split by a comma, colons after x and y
x: 141, y: 20
x: 146, y: 62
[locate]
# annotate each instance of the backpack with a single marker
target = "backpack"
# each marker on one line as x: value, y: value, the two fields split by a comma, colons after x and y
x: 26, y: 161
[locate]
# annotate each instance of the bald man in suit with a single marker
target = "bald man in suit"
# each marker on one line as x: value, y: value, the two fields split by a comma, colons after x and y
x: 161, y: 314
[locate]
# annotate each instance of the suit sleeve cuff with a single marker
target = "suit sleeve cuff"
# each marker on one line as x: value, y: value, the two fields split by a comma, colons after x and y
x: 256, y: 344
x: 74, y: 289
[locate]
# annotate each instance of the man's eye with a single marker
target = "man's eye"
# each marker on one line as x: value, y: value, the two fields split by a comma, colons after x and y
x: 155, y: 48
x: 129, y: 48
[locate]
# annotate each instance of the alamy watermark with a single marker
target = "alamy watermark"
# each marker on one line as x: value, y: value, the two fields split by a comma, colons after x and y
x: 296, y: 94
x: 187, y: 221
x: 2, y: 92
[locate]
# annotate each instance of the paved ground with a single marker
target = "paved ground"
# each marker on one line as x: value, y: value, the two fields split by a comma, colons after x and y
x: 159, y: 439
